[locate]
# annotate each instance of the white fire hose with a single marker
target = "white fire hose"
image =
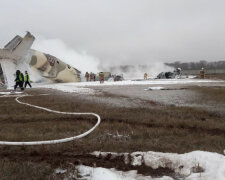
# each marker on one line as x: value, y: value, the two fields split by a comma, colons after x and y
x: 57, y: 140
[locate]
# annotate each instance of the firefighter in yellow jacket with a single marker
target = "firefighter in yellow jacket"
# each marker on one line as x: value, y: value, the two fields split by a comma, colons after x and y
x: 87, y: 76
x: 19, y: 80
x: 202, y: 73
x: 27, y: 79
x: 101, y: 77
x: 145, y: 76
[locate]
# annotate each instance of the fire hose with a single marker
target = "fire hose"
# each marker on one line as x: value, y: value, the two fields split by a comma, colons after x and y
x: 56, y: 141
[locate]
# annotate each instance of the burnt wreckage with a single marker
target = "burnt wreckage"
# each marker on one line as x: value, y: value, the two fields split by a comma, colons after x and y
x: 170, y: 75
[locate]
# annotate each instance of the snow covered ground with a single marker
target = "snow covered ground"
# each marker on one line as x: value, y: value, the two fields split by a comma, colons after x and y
x: 69, y: 88
x: 7, y: 93
x: 132, y: 82
x: 90, y: 173
x: 196, y: 165
x: 81, y: 87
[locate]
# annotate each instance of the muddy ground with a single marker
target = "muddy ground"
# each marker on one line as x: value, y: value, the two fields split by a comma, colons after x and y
x: 181, y: 119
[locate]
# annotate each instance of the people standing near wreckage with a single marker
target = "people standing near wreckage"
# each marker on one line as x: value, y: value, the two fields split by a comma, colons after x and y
x: 92, y: 76
x: 19, y: 80
x: 27, y: 79
x: 87, y: 76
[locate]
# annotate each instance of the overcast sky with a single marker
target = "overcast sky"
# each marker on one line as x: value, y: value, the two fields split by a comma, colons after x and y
x: 123, y: 31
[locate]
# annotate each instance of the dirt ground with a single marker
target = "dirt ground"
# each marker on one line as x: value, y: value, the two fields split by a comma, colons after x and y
x: 175, y: 94
x: 132, y: 120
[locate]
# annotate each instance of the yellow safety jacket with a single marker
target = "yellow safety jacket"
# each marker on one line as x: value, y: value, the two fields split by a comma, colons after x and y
x: 20, y: 78
x: 27, y: 78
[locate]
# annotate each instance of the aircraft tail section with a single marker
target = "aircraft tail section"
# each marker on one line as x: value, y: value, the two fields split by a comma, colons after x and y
x: 23, y: 47
x: 13, y: 43
x: 20, y: 46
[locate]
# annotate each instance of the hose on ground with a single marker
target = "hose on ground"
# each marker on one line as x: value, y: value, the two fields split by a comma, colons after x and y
x: 56, y: 141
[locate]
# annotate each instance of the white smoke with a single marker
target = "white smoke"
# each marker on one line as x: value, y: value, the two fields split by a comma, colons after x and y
x: 152, y: 70
x: 84, y: 62
x: 135, y: 71
x: 56, y: 47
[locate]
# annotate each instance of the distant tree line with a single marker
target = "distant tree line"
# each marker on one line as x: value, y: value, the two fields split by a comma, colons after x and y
x: 197, y: 65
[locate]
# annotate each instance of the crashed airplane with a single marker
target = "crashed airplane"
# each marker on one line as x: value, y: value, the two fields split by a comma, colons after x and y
x: 18, y: 55
x: 176, y: 74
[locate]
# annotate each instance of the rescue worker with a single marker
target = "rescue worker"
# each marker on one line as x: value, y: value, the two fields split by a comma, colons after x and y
x: 202, y: 73
x: 87, y: 76
x: 91, y: 76
x: 145, y: 76
x: 101, y: 77
x: 19, y: 80
x: 22, y: 83
x: 94, y: 76
x: 27, y: 79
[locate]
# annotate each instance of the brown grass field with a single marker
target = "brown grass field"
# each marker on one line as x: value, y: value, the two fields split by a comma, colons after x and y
x: 154, y: 127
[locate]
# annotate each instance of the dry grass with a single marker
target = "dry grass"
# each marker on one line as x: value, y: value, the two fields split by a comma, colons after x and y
x: 24, y: 170
x: 157, y: 128
x: 216, y: 94
x: 215, y: 76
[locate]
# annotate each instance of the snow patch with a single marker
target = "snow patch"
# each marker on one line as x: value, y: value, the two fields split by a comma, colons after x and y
x: 70, y: 88
x: 136, y: 159
x: 80, y: 87
x: 7, y: 93
x: 199, y: 165
x: 130, y: 82
x: 154, y: 88
x: 90, y: 173
x: 60, y: 171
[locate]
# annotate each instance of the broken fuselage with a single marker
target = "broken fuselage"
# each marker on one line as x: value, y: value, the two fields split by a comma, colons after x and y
x: 18, y: 55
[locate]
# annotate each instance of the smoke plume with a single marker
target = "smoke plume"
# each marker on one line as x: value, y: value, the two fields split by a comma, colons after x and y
x: 85, y: 62
x: 56, y: 47
x: 134, y: 71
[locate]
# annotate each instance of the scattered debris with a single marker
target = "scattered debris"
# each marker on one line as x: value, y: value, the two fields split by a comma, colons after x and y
x: 118, y: 77
x: 176, y: 74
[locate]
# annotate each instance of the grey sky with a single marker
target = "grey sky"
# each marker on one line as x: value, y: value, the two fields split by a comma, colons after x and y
x: 125, y: 31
